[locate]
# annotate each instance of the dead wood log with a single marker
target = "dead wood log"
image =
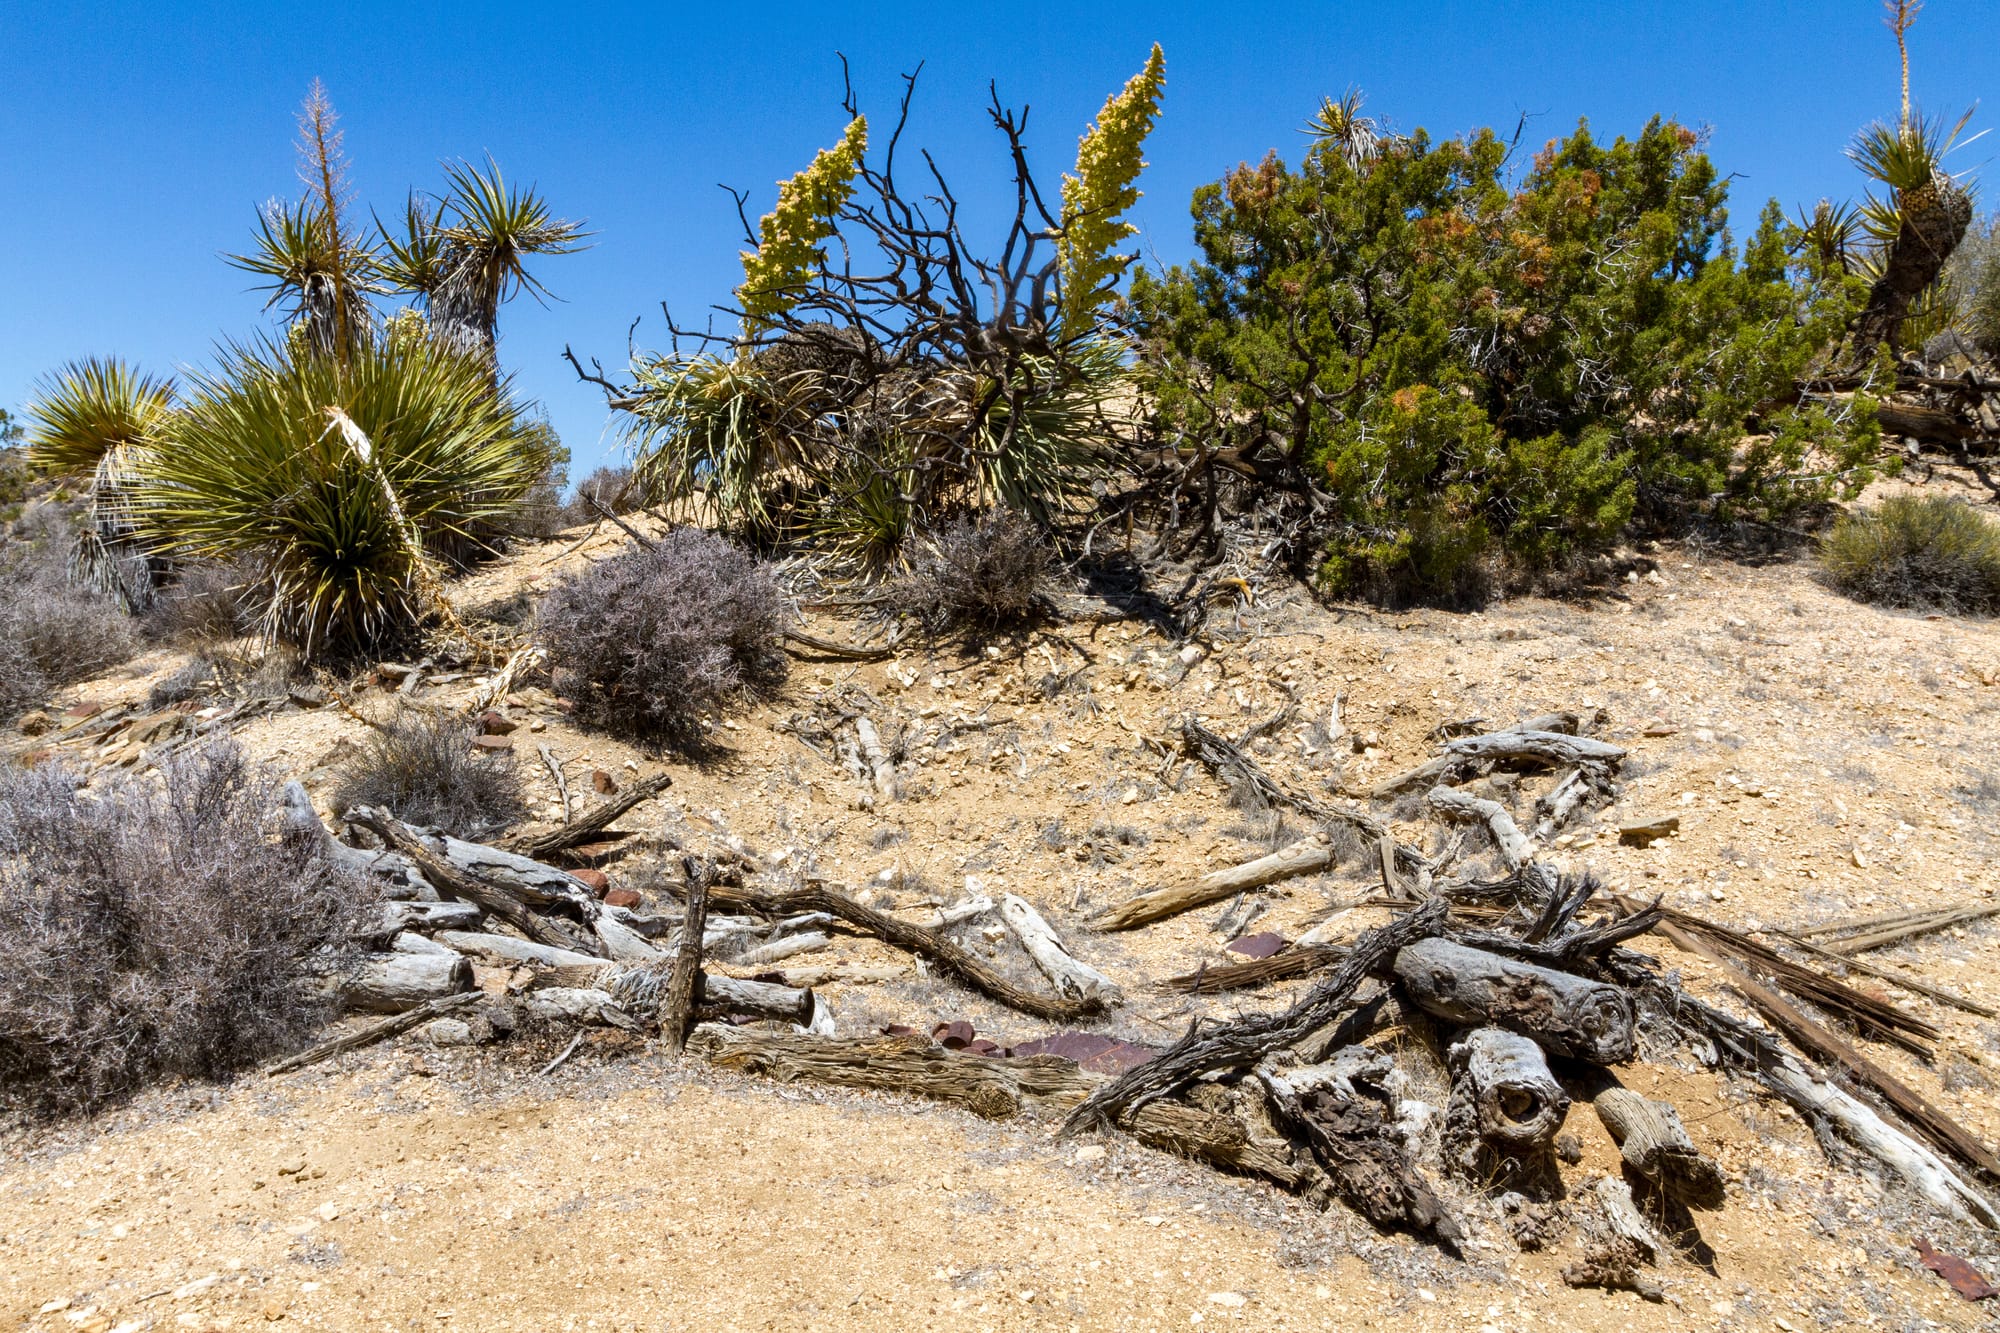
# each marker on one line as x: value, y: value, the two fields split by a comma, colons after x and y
x: 993, y: 1089
x: 1827, y: 1108
x: 1353, y: 1138
x: 778, y: 950
x: 1450, y: 804
x: 1516, y: 1103
x: 1241, y: 1045
x: 1070, y: 976
x: 1622, y: 1214
x: 1918, y: 923
x: 1452, y: 765
x: 1939, y: 1128
x: 382, y: 1030
x: 927, y: 944
x: 1917, y: 422
x: 881, y: 769
x: 1551, y: 748
x: 1895, y: 976
x: 847, y: 652
x: 957, y: 914
x: 677, y: 1005
x: 1293, y: 962
x: 578, y: 1004
x: 389, y: 983
x: 519, y: 664
x: 1655, y: 1146
x: 1308, y: 856
x: 300, y: 820
x: 448, y: 877
x: 1222, y: 1140
x: 1570, y: 1015
x: 408, y: 941
x: 400, y: 916
x: 1230, y: 764
x: 508, y: 949
x: 592, y: 823
x: 1560, y: 804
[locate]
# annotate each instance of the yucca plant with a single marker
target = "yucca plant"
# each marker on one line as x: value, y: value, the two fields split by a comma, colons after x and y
x: 91, y: 408
x: 466, y: 253
x: 327, y: 475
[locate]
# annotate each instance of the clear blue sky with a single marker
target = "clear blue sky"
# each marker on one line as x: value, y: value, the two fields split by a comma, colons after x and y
x: 136, y: 140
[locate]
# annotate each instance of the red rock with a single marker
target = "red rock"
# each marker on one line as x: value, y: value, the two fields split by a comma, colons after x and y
x: 495, y: 743
x: 88, y: 708
x: 622, y: 898
x: 603, y: 783
x: 495, y: 723
x: 598, y: 881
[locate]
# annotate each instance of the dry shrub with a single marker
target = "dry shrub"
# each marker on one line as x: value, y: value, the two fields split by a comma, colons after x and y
x: 977, y: 573
x: 656, y: 639
x: 611, y: 487
x: 424, y: 768
x: 52, y: 632
x: 1929, y: 553
x: 158, y: 928
x: 208, y: 602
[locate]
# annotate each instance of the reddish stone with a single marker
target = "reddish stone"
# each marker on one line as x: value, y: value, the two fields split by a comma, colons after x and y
x: 603, y: 783
x: 494, y: 723
x: 622, y: 898
x: 493, y: 743
x: 596, y: 879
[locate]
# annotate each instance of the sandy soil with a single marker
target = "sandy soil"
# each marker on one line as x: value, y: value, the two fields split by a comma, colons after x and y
x: 1825, y: 759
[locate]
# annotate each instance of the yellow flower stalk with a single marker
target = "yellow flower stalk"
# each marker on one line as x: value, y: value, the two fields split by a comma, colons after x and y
x: 1107, y: 164
x: 788, y: 250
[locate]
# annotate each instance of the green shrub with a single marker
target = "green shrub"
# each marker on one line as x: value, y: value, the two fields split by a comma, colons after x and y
x: 1928, y: 553
x: 255, y: 468
x: 1441, y: 373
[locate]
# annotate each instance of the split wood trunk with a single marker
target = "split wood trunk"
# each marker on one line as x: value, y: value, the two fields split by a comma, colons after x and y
x: 1517, y: 1103
x: 1656, y: 1146
x: 1567, y: 1014
x: 1515, y: 848
x: 993, y: 1089
x: 1072, y: 977
x: 1308, y: 856
x: 389, y: 983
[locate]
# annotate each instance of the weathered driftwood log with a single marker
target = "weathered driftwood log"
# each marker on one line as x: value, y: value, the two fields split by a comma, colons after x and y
x: 1547, y: 747
x: 399, y: 916
x: 1756, y: 1052
x: 449, y: 877
x: 381, y: 1030
x: 1515, y: 848
x: 1583, y: 784
x: 684, y: 973
x: 1220, y: 1140
x: 993, y: 1089
x: 1569, y: 1015
x: 1354, y: 1139
x: 1242, y: 1044
x: 1292, y: 962
x: 1307, y: 856
x: 1656, y: 1147
x: 1624, y: 1218
x: 389, y: 983
x: 1517, y: 1104
x: 507, y: 949
x: 591, y: 824
x: 928, y: 944
x: 577, y: 1004
x: 881, y: 769
x: 1071, y: 977
x: 408, y: 941
x: 791, y: 946
x: 956, y: 914
x: 1452, y: 765
x: 641, y: 991
x: 300, y: 820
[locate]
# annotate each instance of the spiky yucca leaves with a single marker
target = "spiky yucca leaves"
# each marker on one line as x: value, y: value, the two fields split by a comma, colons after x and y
x: 1095, y: 198
x: 91, y: 408
x: 1915, y: 227
x: 466, y: 254
x: 258, y: 467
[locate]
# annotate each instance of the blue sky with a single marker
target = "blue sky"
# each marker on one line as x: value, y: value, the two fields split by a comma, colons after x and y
x: 137, y: 140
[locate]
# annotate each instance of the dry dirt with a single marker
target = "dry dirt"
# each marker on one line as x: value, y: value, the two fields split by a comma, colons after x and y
x: 1825, y: 759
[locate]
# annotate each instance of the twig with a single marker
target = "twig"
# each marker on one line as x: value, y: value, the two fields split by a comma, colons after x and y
x: 567, y: 1052
x: 555, y: 771
x: 380, y: 1030
x: 592, y: 822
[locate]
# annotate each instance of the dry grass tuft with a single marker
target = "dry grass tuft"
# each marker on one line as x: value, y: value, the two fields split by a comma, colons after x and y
x: 423, y: 766
x: 1927, y: 553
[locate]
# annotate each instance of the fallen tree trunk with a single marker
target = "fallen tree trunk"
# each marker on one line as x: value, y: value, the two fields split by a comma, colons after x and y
x: 1297, y: 961
x: 1355, y: 1142
x: 1241, y: 1045
x: 927, y: 944
x: 1516, y: 1102
x: 389, y: 983
x: 993, y: 1089
x: 1452, y: 765
x: 406, y: 1021
x: 591, y: 824
x: 684, y: 975
x: 1450, y: 804
x: 1570, y: 1015
x: 1655, y: 1145
x: 1307, y: 856
x: 1071, y: 977
x: 507, y: 949
x: 397, y: 916
x: 1546, y: 747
